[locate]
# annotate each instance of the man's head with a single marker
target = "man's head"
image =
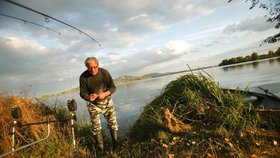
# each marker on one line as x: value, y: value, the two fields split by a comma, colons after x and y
x: 92, y: 64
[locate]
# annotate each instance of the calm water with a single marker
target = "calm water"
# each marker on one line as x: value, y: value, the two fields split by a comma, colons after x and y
x: 131, y: 98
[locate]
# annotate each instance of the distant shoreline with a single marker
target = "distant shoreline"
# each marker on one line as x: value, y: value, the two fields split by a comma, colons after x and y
x: 127, y: 80
x: 250, y: 58
x: 131, y: 79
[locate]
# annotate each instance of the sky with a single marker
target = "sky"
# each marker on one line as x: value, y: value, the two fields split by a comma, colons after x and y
x: 136, y: 38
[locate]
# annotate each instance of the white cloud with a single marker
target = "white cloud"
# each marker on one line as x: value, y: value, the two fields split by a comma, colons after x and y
x: 138, y: 17
x: 256, y: 24
x: 26, y: 46
x: 174, y: 47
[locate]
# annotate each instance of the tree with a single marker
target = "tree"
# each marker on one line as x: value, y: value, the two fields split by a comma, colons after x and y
x: 239, y: 59
x: 273, y: 15
x: 224, y: 62
x: 254, y: 56
x: 232, y: 60
x: 277, y: 52
x: 247, y: 58
x: 271, y: 53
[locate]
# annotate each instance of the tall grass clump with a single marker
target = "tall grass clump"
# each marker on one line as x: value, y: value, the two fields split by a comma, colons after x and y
x: 218, y: 118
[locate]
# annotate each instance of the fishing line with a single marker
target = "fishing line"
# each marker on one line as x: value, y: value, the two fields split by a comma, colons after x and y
x: 69, y: 78
x: 26, y: 21
x: 47, y: 16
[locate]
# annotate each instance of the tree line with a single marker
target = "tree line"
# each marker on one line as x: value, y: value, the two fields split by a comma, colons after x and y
x: 253, y: 57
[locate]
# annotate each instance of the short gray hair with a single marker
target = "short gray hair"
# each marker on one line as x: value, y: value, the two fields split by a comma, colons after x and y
x: 90, y: 59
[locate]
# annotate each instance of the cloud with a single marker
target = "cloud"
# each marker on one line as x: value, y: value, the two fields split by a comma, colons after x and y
x: 174, y: 47
x: 27, y: 62
x: 149, y: 60
x: 137, y: 37
x: 256, y: 24
x: 121, y: 13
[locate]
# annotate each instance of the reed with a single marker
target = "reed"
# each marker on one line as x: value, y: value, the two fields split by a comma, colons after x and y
x: 222, y: 124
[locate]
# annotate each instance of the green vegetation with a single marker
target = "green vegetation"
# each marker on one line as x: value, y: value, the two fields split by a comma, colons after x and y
x: 253, y: 57
x: 220, y: 123
x: 208, y: 122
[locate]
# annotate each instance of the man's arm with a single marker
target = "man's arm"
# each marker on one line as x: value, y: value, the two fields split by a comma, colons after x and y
x: 111, y: 88
x: 83, y: 89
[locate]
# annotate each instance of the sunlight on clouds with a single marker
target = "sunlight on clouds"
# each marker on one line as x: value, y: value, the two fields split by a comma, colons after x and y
x: 204, y: 32
x: 170, y: 65
x: 110, y: 27
x: 24, y: 44
x: 73, y: 60
x: 187, y: 12
x: 255, y: 24
x: 174, y: 47
x: 114, y: 56
x: 112, y: 59
x: 114, y: 29
x: 144, y: 22
x: 60, y: 79
x: 137, y: 17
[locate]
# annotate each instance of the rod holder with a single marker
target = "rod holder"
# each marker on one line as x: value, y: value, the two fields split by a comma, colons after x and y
x: 25, y: 146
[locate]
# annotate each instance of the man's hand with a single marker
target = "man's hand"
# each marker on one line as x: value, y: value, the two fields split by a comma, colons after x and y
x: 104, y: 95
x: 93, y: 96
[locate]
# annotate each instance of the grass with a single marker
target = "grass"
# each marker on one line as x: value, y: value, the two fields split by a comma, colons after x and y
x: 222, y: 126
x: 59, y: 143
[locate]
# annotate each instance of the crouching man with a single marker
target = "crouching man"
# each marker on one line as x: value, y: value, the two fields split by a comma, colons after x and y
x: 96, y: 87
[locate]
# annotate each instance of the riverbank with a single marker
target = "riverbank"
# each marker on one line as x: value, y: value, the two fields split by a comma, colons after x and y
x: 193, y: 117
x: 205, y: 122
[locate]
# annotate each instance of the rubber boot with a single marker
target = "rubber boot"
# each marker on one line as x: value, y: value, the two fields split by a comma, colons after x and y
x: 99, y: 144
x: 114, y: 136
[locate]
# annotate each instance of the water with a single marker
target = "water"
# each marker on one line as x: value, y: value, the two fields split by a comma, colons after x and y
x: 131, y: 98
x: 265, y: 74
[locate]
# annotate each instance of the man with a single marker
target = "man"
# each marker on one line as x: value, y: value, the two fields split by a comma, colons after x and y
x: 96, y: 87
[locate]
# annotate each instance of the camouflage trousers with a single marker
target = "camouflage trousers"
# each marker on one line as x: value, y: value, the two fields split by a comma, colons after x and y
x: 108, y: 111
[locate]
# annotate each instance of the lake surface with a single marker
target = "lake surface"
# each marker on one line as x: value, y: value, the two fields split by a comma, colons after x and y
x: 131, y: 98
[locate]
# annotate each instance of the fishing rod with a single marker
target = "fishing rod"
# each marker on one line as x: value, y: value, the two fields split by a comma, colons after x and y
x: 47, y: 16
x: 26, y: 21
x: 268, y: 92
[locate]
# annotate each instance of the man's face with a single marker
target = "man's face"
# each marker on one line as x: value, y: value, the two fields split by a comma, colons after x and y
x: 92, y: 68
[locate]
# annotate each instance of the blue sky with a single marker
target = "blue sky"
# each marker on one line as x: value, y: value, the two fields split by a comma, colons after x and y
x: 136, y: 37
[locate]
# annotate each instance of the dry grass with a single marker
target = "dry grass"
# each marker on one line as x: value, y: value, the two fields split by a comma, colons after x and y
x: 31, y: 112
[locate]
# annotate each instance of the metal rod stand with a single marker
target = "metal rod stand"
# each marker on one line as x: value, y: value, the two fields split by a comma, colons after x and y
x: 25, y: 146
